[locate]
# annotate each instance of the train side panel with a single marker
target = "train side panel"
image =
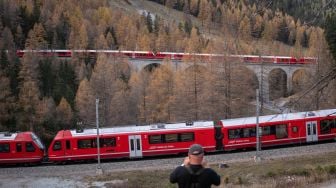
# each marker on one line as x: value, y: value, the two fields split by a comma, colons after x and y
x: 177, y: 141
x: 124, y: 143
x: 327, y: 128
x: 85, y: 148
x: 304, y: 127
x: 21, y: 149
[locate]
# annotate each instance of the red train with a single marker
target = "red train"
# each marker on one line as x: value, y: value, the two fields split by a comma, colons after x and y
x: 165, y: 139
x: 131, y: 142
x: 23, y: 147
x: 172, y: 55
x: 281, y: 129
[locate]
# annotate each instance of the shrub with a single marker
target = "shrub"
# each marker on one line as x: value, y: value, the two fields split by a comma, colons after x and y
x: 226, y: 180
x: 270, y: 174
x: 299, y: 172
x: 240, y: 180
x: 331, y: 169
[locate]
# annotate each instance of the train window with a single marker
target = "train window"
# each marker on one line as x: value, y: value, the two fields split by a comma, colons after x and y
x: 242, y: 133
x: 281, y: 131
x: 30, y: 147
x: 232, y: 134
x: 171, y: 138
x: 155, y: 139
x: 246, y: 133
x: 67, y: 144
x: 4, y: 148
x: 186, y: 137
x: 108, y: 142
x: 326, y: 126
x: 138, y: 144
x: 268, y: 130
x: 333, y: 124
x: 249, y: 132
x: 18, y: 147
x: 295, y: 129
x: 57, y: 146
x: 314, y: 128
x: 86, y: 143
x: 132, y: 144
x: 37, y: 141
x: 252, y: 132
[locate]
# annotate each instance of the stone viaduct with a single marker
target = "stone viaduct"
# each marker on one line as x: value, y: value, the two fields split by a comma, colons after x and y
x: 262, y: 71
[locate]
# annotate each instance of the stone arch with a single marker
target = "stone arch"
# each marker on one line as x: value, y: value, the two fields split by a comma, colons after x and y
x: 277, y: 80
x: 299, y: 80
x: 151, y: 67
x: 246, y: 82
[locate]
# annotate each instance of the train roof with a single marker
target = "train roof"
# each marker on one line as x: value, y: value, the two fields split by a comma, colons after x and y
x: 278, y: 117
x: 6, y: 136
x: 135, y: 129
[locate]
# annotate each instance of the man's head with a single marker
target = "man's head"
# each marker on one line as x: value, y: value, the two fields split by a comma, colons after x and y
x: 196, y: 154
x: 195, y: 149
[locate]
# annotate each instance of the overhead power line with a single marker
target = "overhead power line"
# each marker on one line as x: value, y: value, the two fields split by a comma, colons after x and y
x: 323, y: 82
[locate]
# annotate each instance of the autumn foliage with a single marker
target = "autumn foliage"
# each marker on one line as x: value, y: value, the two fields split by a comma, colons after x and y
x: 46, y: 94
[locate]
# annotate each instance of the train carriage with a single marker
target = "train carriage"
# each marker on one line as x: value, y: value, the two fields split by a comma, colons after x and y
x: 281, y: 129
x: 22, y: 147
x: 150, y: 55
x: 132, y: 141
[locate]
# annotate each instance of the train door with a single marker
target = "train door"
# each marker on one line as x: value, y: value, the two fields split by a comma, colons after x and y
x: 67, y: 150
x: 18, y: 149
x: 311, y: 129
x: 135, y: 146
x: 219, y: 137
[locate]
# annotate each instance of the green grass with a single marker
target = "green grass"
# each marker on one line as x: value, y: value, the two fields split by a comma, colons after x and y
x: 286, y: 172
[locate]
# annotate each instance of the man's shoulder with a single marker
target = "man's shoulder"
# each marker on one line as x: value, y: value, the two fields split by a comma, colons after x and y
x: 181, y: 169
x: 209, y: 171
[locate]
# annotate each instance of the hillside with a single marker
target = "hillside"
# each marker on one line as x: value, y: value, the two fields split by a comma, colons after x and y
x: 310, y: 12
x: 49, y: 94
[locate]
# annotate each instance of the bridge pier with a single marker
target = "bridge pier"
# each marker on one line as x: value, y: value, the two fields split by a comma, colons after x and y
x: 289, y: 82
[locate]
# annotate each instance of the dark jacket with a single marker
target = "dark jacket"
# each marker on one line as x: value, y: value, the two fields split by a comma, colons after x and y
x: 196, y: 176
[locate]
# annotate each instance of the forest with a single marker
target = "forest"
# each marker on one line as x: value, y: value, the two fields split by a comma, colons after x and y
x: 46, y: 94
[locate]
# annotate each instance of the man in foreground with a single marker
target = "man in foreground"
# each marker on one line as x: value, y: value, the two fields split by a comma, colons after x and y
x: 193, y: 173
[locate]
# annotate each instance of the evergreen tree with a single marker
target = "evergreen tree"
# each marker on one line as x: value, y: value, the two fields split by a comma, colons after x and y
x: 157, y: 24
x: 36, y: 11
x: 63, y: 31
x: 7, y: 103
x: 19, y: 38
x: 13, y: 75
x: 24, y: 20
x: 4, y: 63
x: 7, y: 40
x: 330, y: 35
x: 47, y: 78
x: 66, y: 84
x: 149, y: 22
x: 283, y: 32
x: 29, y: 93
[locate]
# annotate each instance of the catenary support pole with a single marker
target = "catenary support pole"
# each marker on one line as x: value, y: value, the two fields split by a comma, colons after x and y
x: 257, y: 157
x: 99, y: 169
